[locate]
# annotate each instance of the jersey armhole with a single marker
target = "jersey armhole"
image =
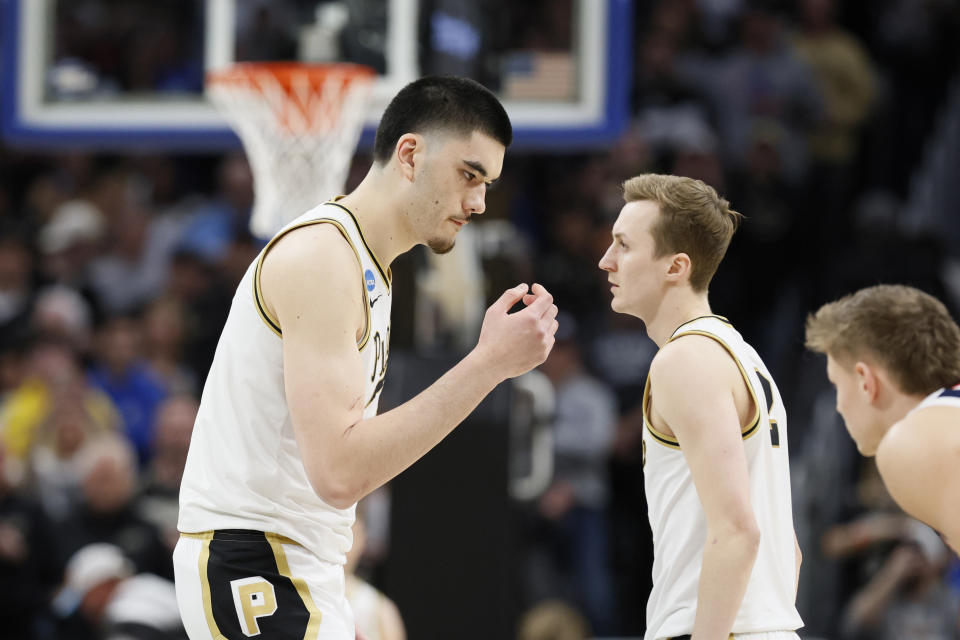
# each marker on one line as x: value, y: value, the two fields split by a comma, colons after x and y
x: 662, y: 438
x: 751, y: 428
x: 269, y: 319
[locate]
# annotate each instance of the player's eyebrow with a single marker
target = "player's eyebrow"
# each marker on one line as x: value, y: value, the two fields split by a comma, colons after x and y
x: 479, y: 168
x: 619, y: 235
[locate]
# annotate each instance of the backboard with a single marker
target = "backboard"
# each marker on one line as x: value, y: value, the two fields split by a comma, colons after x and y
x: 128, y: 74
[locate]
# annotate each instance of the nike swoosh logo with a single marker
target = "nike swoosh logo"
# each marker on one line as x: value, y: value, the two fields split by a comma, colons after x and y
x: 374, y: 300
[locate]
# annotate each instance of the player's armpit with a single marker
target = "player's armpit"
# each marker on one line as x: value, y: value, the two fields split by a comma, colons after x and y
x: 311, y: 281
x: 918, y: 460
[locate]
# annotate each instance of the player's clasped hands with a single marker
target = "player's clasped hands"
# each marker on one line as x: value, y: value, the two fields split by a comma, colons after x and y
x: 514, y: 343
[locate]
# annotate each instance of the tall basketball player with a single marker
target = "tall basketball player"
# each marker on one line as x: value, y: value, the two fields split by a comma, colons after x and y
x: 893, y: 353
x: 287, y: 438
x: 716, y: 468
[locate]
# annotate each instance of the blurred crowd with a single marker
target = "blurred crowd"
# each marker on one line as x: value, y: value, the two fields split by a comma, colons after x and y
x: 811, y: 117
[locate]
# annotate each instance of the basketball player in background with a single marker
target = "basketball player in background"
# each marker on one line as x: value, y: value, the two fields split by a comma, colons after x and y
x: 716, y: 466
x: 287, y: 439
x: 376, y: 615
x: 893, y: 353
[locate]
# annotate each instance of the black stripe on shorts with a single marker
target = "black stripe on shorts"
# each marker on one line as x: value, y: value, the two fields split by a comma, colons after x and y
x: 237, y: 560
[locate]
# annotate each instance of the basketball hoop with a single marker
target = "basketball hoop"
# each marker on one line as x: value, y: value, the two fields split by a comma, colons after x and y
x: 299, y: 124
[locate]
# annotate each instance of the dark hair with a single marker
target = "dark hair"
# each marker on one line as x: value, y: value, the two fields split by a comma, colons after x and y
x: 459, y: 105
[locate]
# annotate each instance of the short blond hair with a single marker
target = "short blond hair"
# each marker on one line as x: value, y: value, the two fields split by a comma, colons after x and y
x: 908, y: 332
x: 693, y: 220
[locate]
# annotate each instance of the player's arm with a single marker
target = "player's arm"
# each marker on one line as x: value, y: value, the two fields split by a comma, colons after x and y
x: 311, y: 281
x: 692, y: 383
x: 922, y: 470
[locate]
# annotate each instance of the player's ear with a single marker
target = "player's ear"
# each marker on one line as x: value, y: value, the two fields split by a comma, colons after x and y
x: 679, y: 267
x: 407, y: 151
x: 868, y: 385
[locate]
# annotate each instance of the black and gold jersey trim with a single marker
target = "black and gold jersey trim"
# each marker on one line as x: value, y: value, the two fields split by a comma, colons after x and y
x: 672, y: 442
x: 662, y: 438
x: 386, y: 274
x: 272, y: 322
x: 755, y: 422
x: 711, y: 315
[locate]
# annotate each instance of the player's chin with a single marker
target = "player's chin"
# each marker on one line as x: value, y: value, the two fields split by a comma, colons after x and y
x: 441, y: 246
x: 616, y: 304
x: 865, y: 445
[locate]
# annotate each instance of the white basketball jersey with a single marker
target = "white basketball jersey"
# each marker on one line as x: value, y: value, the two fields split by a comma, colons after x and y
x: 945, y: 397
x: 680, y: 525
x: 244, y: 469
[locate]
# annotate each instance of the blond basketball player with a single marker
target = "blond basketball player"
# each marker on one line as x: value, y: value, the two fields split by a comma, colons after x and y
x: 716, y: 467
x: 287, y: 438
x: 893, y: 353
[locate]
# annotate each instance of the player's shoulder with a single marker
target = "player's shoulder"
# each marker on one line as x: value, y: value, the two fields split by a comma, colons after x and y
x: 921, y: 436
x: 692, y: 358
x: 310, y: 247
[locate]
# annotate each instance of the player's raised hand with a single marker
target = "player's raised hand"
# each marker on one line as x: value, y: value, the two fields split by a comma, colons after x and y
x: 514, y: 343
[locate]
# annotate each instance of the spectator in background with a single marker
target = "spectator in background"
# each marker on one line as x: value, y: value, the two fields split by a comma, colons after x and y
x: 139, y: 245
x: 565, y: 270
x: 54, y: 470
x: 907, y: 597
x: 103, y: 598
x: 68, y: 244
x: 135, y: 266
x: 53, y: 375
x: 205, y: 302
x: 108, y: 511
x: 30, y: 565
x: 376, y: 615
x: 160, y: 490
x: 121, y: 373
x: 845, y: 77
x: 216, y: 223
x: 762, y: 79
x: 16, y: 289
x: 903, y: 591
x: 574, y: 508
x: 60, y: 312
x: 13, y: 371
x: 164, y: 338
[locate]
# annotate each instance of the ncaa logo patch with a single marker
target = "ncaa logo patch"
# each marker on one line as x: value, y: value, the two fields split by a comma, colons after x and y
x: 368, y: 278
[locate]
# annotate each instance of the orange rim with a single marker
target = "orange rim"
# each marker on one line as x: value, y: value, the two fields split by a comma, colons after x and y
x: 284, y: 73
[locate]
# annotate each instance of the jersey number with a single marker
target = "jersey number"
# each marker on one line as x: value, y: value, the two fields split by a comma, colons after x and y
x: 381, y: 354
x: 768, y: 398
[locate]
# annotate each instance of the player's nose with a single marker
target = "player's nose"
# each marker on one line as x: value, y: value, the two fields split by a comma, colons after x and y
x: 475, y: 201
x: 607, y: 263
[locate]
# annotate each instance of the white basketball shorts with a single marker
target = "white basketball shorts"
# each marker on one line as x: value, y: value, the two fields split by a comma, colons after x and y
x: 236, y: 584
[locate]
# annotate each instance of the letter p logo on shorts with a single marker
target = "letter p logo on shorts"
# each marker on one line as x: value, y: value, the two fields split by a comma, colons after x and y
x: 254, y: 598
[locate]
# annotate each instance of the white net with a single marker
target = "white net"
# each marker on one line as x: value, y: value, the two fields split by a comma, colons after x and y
x: 299, y: 125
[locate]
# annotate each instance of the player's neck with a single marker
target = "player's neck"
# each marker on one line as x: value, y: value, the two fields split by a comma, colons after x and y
x: 373, y: 206
x: 897, y: 407
x: 678, y: 306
